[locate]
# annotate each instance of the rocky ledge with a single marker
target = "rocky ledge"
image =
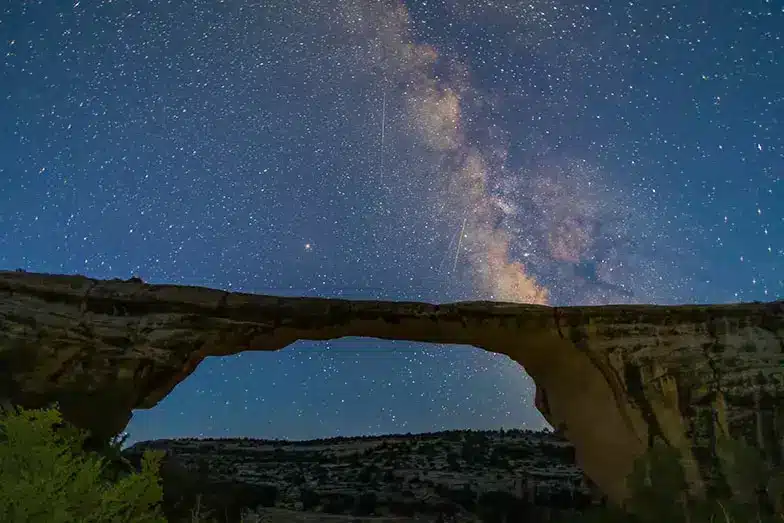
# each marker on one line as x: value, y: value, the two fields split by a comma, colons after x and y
x: 609, y: 378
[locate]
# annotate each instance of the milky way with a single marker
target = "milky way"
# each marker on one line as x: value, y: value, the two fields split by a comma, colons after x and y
x: 432, y: 115
x: 555, y: 217
x: 539, y: 152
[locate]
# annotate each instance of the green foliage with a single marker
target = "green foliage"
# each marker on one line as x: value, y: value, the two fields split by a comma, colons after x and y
x: 747, y: 473
x: 309, y: 498
x: 658, y: 484
x: 659, y: 490
x: 365, y: 504
x: 46, y: 477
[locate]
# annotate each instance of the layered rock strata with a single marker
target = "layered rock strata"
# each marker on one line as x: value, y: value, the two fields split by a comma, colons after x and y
x: 611, y: 378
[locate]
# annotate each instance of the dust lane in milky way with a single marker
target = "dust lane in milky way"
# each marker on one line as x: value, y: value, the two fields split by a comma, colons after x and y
x: 543, y: 151
x: 472, y: 189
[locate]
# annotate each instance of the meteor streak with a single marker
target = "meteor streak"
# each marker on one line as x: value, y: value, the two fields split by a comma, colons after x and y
x: 383, y: 130
x: 460, y: 242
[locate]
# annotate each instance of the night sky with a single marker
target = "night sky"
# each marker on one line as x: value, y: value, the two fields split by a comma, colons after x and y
x: 555, y: 152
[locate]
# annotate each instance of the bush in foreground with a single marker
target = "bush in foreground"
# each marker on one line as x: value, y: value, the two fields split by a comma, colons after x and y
x: 660, y: 492
x: 46, y: 477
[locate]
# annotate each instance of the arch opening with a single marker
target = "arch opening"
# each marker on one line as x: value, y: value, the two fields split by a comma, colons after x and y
x: 353, y: 386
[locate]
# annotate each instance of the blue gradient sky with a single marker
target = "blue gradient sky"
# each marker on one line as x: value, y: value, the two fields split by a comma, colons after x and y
x: 558, y: 152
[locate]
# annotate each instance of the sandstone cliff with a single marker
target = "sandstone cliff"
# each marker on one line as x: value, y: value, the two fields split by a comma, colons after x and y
x: 611, y: 378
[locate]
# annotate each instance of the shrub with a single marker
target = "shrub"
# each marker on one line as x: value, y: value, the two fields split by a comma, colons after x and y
x: 659, y: 490
x: 46, y: 477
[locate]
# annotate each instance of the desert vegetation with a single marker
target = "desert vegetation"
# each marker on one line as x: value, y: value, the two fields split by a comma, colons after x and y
x: 46, y: 476
x: 49, y: 475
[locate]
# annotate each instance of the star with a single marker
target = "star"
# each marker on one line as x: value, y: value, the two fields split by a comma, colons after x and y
x: 547, y: 152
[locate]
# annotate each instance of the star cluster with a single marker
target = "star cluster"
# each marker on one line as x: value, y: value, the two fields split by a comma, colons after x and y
x: 548, y: 152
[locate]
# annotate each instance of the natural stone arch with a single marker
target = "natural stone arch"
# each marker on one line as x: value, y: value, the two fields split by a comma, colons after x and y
x: 611, y: 377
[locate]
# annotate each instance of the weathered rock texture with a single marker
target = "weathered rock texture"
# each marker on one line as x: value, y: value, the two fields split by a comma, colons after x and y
x: 611, y: 377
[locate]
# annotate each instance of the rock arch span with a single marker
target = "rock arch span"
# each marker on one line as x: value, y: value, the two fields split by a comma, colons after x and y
x: 611, y: 377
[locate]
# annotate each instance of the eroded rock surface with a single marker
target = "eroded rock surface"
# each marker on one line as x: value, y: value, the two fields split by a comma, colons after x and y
x: 611, y: 377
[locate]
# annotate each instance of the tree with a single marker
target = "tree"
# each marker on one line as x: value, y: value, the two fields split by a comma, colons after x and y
x: 658, y: 484
x: 366, y: 504
x: 659, y: 490
x: 309, y: 499
x: 46, y: 477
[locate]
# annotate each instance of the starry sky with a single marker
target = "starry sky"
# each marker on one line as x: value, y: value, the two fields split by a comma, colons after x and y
x: 551, y: 151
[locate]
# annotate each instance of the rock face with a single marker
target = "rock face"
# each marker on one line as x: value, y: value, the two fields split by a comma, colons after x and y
x: 611, y: 378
